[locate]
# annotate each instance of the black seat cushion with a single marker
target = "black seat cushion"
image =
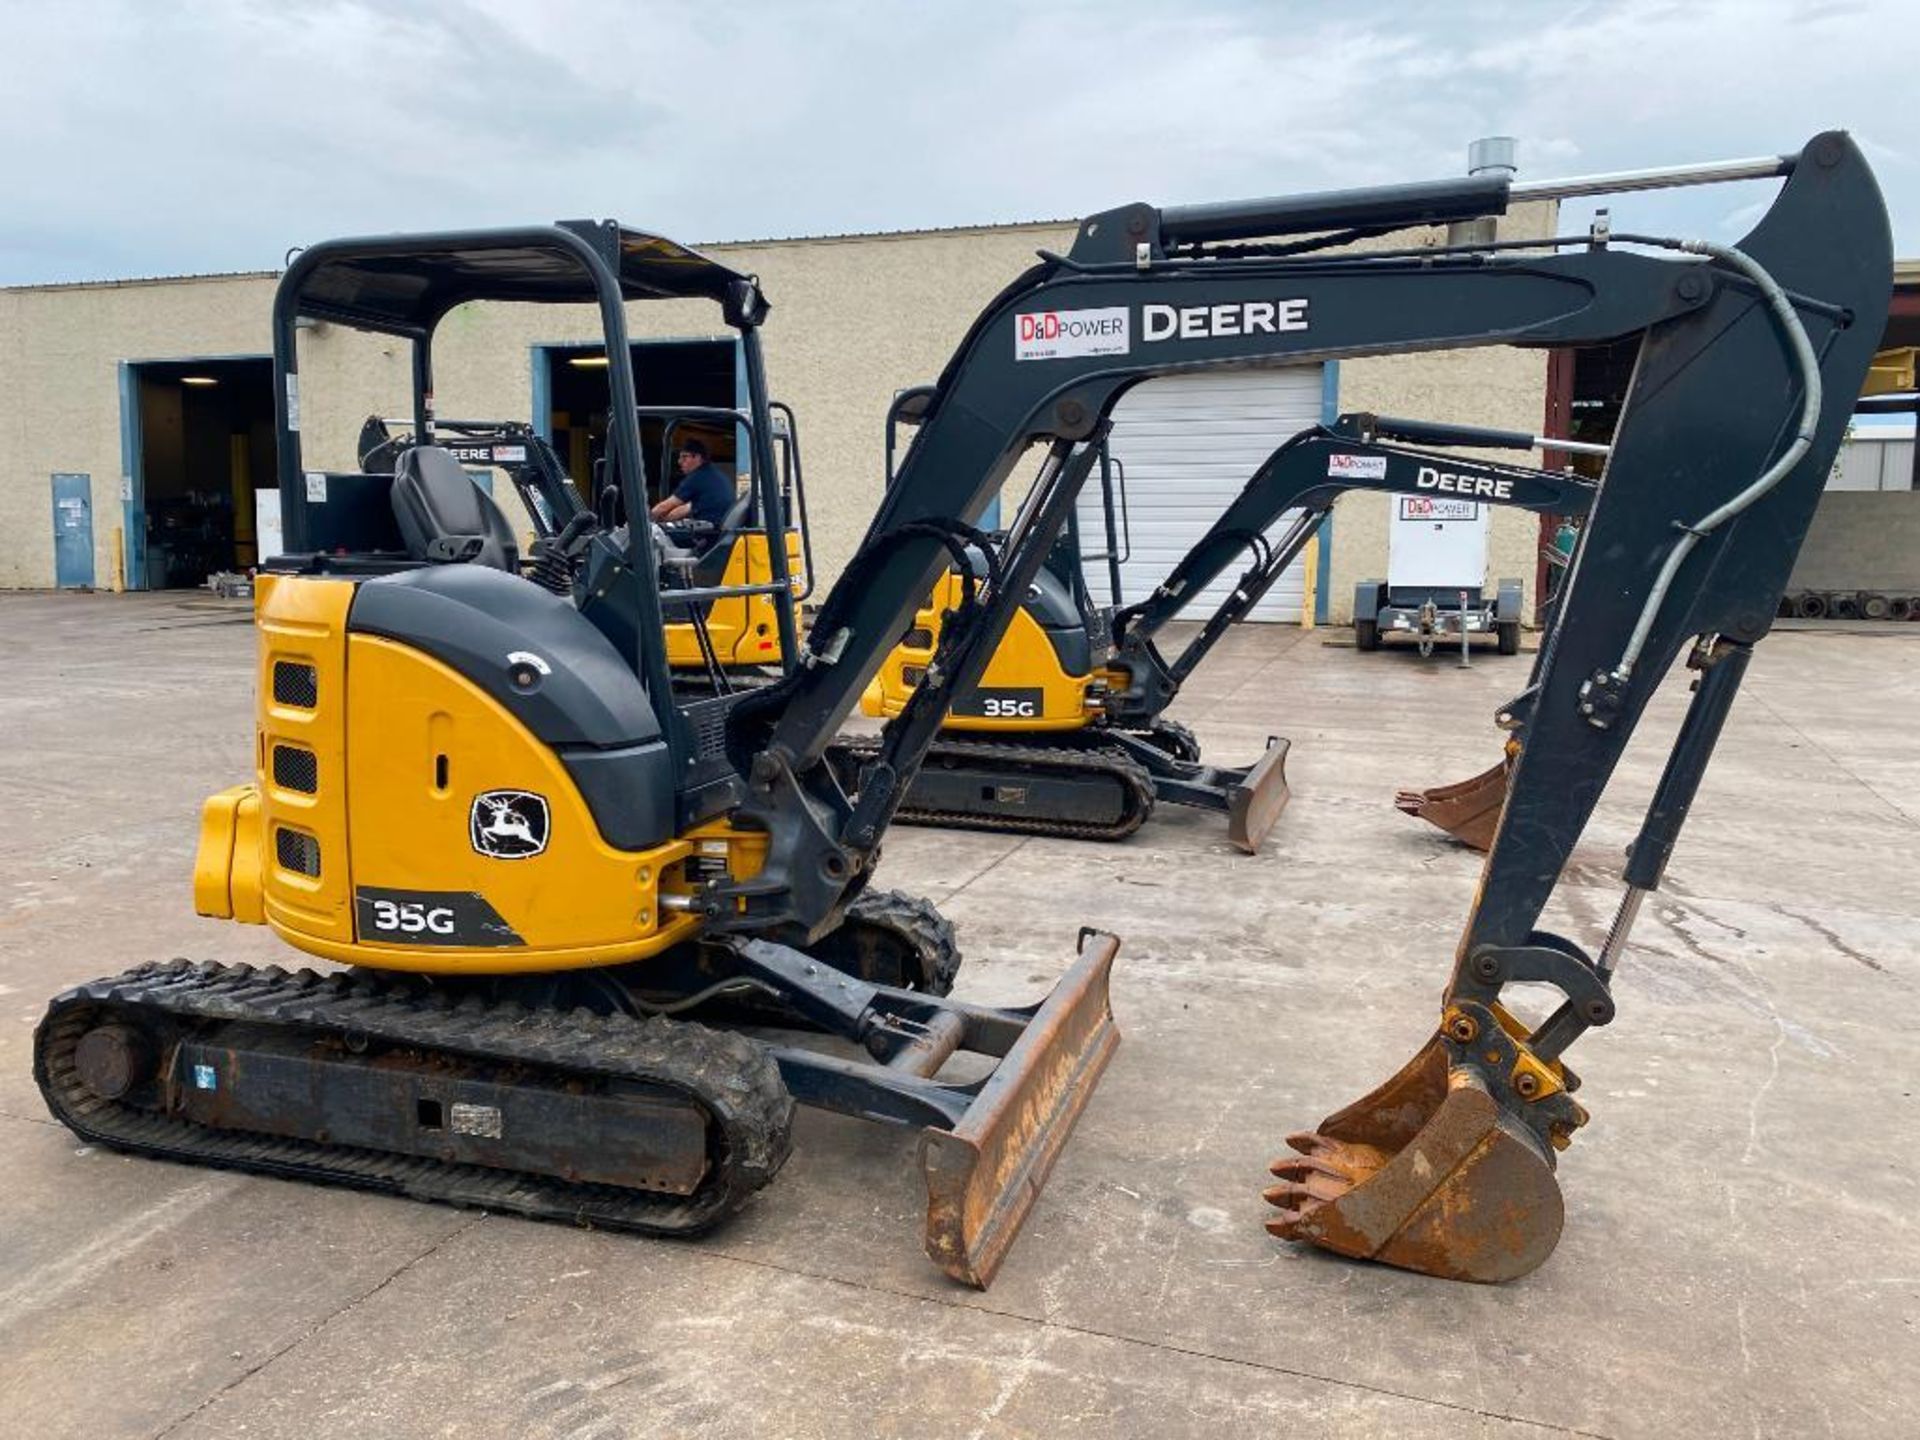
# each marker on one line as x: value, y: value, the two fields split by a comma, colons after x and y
x: 444, y: 517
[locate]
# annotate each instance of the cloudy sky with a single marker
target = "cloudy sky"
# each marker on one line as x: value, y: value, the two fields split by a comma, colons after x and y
x: 203, y: 135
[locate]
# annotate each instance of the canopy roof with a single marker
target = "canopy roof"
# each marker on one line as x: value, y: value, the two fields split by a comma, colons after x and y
x: 404, y: 283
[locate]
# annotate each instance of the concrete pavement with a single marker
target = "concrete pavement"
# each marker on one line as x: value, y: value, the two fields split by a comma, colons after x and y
x: 1740, y: 1257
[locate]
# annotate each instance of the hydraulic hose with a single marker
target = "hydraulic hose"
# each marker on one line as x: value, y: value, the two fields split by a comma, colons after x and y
x: 1692, y: 535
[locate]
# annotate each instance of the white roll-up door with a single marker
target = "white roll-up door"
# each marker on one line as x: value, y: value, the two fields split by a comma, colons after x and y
x: 1189, y: 443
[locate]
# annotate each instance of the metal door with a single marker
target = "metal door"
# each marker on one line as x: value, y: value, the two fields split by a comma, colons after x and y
x: 73, y: 532
x: 1189, y: 443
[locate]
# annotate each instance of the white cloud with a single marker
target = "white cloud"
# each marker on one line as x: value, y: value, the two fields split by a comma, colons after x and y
x: 214, y: 134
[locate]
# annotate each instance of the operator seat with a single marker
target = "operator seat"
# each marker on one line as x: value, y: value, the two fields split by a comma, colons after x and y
x: 444, y: 517
x: 716, y: 549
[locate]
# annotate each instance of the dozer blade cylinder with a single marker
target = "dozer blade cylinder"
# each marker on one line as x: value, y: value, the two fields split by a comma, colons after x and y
x: 1468, y: 810
x: 984, y: 1174
x: 1254, y: 805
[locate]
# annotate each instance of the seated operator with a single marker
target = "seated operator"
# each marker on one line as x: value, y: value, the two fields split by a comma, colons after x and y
x: 702, y: 493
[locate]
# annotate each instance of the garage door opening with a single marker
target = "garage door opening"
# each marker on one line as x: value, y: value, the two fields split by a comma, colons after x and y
x: 1188, y: 444
x: 203, y: 442
x: 665, y: 372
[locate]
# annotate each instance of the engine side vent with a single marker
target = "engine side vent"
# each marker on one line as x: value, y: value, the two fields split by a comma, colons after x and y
x: 296, y: 851
x: 295, y: 683
x: 296, y: 769
x: 709, y: 721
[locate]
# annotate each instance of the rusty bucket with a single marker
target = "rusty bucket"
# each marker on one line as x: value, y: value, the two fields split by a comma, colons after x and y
x: 1468, y: 810
x: 1439, y: 1170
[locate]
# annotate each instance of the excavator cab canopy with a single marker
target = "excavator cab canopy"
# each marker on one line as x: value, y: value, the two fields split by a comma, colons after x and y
x: 405, y: 285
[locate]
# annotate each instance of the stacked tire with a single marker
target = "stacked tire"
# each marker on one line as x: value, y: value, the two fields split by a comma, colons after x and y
x: 1874, y: 605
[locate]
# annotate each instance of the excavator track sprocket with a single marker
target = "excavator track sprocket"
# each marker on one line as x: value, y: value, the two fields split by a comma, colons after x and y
x: 889, y: 938
x: 1176, y: 739
x: 657, y: 1126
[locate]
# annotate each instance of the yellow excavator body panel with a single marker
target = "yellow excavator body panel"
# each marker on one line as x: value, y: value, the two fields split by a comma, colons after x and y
x: 1025, y: 687
x: 742, y: 628
x: 359, y: 839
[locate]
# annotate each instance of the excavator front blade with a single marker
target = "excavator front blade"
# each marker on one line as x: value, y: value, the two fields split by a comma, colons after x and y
x: 1254, y: 805
x: 1468, y: 810
x: 1428, y: 1173
x: 984, y: 1174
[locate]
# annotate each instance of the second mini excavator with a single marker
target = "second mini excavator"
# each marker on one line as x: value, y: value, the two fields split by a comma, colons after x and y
x: 1067, y: 732
x: 539, y: 862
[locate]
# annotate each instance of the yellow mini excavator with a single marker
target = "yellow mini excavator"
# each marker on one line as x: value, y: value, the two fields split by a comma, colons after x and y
x: 552, y: 884
x: 1067, y: 732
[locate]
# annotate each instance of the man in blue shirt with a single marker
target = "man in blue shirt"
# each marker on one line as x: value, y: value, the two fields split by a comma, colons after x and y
x: 703, y: 492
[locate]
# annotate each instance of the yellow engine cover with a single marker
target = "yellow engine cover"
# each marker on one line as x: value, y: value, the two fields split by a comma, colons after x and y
x: 374, y: 832
x: 743, y: 628
x: 1024, y: 688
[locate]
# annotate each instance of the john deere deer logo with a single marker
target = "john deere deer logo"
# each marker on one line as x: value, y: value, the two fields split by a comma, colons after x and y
x: 509, y: 824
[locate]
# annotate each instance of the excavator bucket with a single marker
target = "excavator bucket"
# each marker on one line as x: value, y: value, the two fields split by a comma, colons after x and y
x: 1255, y: 803
x: 1468, y: 810
x: 1428, y: 1173
x: 984, y: 1174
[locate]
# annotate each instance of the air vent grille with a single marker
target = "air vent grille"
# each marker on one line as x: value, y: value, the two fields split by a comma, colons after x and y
x: 296, y: 769
x: 295, y: 683
x: 297, y: 851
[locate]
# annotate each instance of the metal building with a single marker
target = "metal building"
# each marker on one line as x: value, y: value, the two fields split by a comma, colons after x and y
x: 134, y: 415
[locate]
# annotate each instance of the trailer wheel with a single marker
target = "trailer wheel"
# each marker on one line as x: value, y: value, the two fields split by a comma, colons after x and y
x: 1366, y: 634
x: 1507, y: 632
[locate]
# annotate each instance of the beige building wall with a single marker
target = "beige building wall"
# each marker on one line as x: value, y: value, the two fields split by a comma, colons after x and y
x: 854, y: 319
x: 60, y: 354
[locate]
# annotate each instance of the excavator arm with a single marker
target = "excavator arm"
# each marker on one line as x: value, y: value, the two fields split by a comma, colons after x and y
x: 1308, y: 473
x: 1729, y: 429
x: 1147, y: 291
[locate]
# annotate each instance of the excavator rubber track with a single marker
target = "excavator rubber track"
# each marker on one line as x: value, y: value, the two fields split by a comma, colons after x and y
x: 655, y: 1126
x: 890, y: 938
x: 1016, y: 789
